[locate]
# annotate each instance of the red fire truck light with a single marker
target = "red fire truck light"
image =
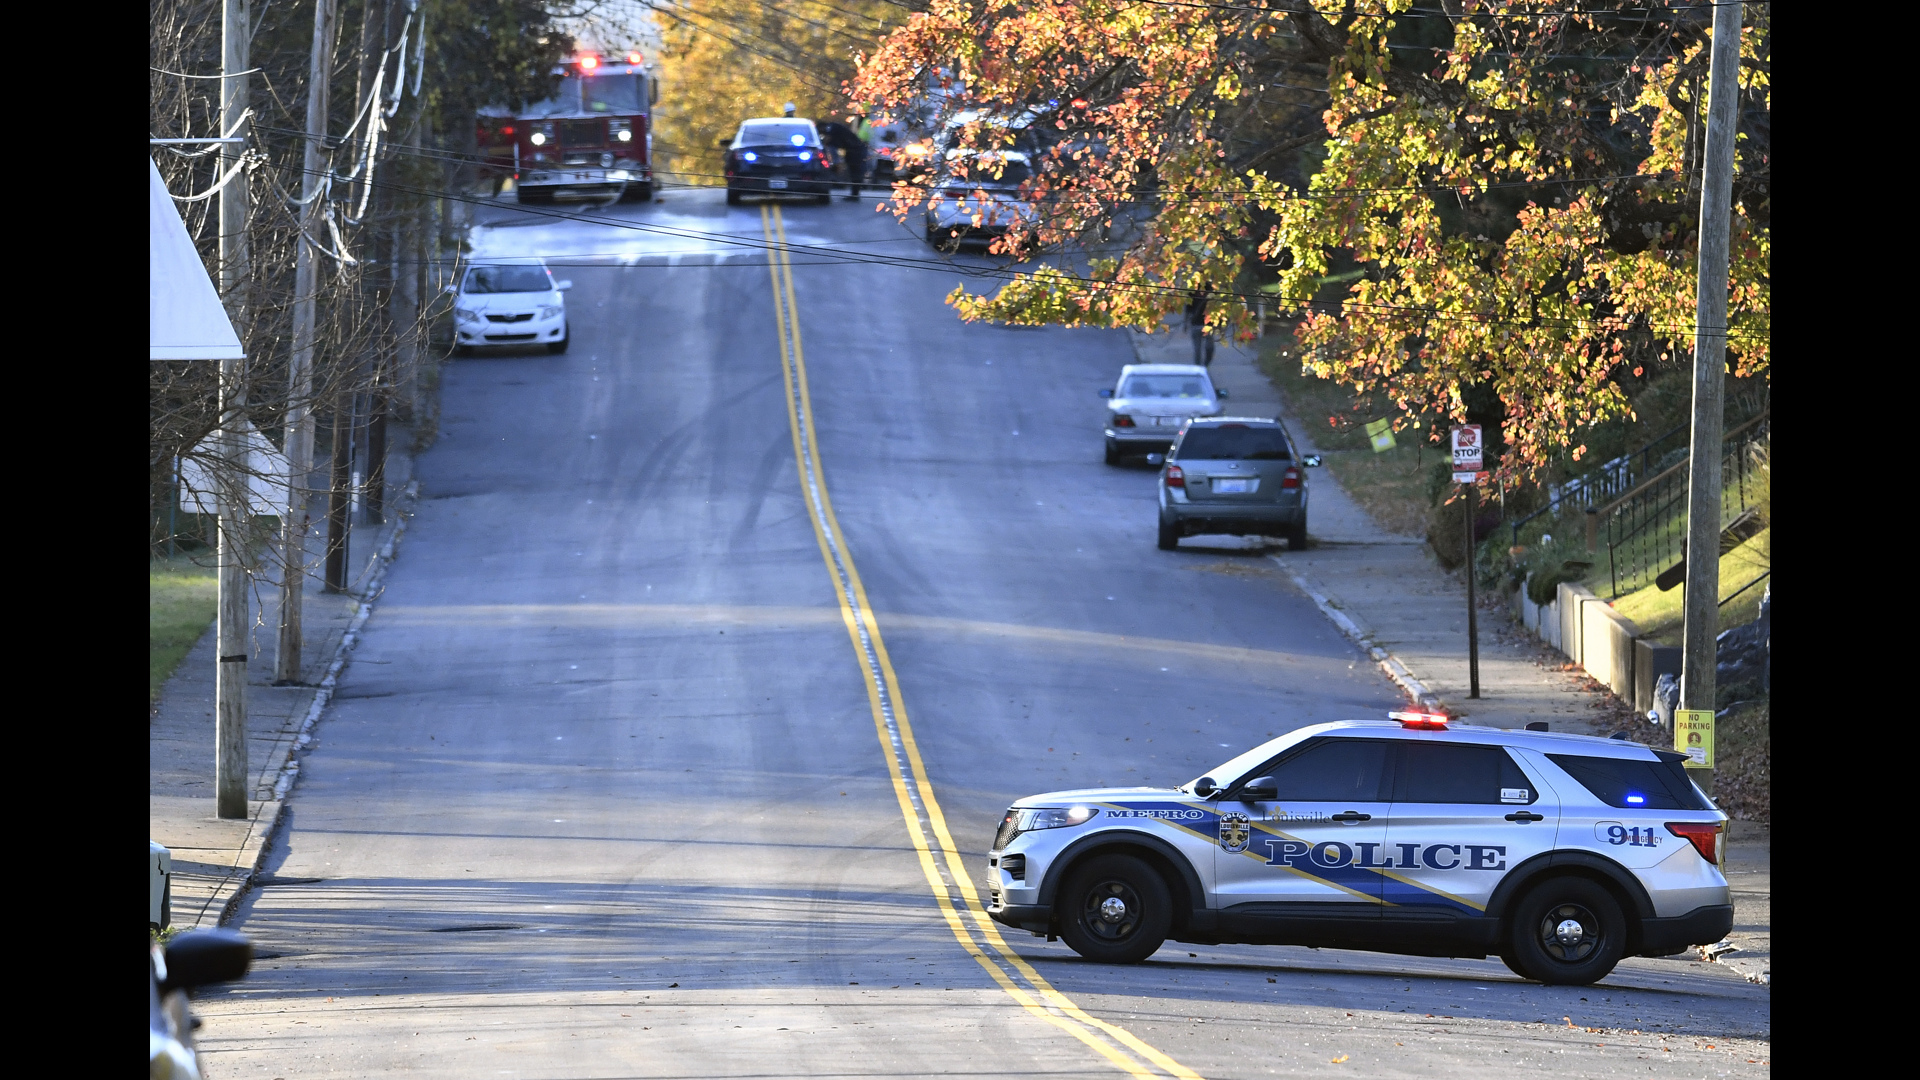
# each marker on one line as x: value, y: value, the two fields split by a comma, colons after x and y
x: 589, y: 62
x: 633, y: 58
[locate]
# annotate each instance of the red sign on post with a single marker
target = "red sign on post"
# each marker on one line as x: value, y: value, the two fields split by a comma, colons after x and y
x: 1467, y: 457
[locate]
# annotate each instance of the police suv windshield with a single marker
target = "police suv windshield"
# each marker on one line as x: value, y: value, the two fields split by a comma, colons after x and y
x: 508, y: 279
x: 776, y: 133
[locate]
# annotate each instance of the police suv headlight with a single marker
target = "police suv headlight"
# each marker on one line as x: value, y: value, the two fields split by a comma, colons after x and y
x: 1047, y: 817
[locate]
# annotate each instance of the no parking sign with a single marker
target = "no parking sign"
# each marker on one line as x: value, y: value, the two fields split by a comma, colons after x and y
x: 1468, y: 458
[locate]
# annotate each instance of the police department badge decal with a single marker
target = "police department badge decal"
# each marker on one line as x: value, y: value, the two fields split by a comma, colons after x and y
x: 1234, y: 832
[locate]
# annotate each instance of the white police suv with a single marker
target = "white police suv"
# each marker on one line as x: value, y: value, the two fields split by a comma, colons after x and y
x: 1561, y: 854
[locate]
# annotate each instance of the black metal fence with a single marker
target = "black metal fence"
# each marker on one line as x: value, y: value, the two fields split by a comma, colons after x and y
x: 1645, y: 527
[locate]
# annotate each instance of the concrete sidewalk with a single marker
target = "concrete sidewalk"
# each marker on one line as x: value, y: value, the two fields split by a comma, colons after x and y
x: 1389, y: 594
x: 214, y: 859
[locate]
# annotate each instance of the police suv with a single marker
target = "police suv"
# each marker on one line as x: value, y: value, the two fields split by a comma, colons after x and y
x: 1416, y: 835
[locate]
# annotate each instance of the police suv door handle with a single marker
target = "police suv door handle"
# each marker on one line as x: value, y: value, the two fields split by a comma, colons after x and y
x: 1351, y: 816
x: 1524, y: 816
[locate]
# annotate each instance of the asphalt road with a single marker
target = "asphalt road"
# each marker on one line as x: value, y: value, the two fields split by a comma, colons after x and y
x: 604, y: 793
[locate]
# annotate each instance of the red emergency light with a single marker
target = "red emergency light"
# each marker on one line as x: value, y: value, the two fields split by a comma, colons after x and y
x: 588, y: 63
x: 1421, y: 721
x: 633, y: 58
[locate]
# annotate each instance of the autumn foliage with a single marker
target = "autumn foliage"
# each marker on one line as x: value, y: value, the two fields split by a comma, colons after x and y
x: 1506, y: 194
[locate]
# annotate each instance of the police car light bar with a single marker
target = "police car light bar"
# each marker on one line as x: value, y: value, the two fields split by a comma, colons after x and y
x: 1420, y: 721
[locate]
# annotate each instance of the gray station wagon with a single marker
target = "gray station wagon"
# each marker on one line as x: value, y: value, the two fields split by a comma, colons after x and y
x: 1234, y: 475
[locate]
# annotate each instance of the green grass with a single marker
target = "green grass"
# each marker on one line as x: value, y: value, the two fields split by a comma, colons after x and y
x: 1659, y: 615
x: 181, y: 602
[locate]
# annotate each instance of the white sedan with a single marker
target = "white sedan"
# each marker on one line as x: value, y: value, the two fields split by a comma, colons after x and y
x: 517, y: 303
x: 983, y: 203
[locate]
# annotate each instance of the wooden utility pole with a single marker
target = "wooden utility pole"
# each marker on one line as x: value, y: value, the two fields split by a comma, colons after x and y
x: 1702, y: 623
x: 230, y: 679
x: 293, y: 539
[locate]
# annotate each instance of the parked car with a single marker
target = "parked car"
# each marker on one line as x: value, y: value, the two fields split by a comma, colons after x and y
x: 978, y: 198
x: 778, y: 156
x: 193, y: 959
x: 1149, y: 403
x: 1235, y: 475
x: 510, y: 303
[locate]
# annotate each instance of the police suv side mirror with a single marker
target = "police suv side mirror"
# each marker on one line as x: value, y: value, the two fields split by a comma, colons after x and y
x: 1106, y: 393
x: 1261, y: 788
x: 1311, y: 461
x: 202, y: 957
x: 1205, y: 787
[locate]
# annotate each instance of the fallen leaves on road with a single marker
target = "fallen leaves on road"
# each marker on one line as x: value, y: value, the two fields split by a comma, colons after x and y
x: 1336, y: 1061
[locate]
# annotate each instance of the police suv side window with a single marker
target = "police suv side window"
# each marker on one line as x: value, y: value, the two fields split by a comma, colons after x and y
x: 1335, y: 770
x: 1443, y: 773
x: 1634, y: 785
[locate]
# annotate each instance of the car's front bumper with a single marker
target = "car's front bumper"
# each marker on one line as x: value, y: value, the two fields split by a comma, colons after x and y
x: 802, y: 182
x: 520, y: 333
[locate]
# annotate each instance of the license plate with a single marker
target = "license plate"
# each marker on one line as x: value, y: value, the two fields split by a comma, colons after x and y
x: 1168, y: 421
x: 1235, y: 486
x: 777, y: 183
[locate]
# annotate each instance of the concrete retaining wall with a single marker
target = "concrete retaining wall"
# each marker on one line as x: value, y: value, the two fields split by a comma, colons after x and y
x: 1601, y: 640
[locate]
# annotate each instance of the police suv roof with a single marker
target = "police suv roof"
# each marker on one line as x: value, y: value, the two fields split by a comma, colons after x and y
x: 1547, y: 742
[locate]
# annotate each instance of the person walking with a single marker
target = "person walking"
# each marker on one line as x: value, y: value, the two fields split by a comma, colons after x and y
x: 1197, y: 326
x: 853, y: 150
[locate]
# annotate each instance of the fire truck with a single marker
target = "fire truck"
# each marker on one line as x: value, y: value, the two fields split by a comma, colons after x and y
x: 593, y: 138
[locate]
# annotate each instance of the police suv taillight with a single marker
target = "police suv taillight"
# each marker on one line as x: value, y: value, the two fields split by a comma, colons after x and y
x: 1420, y: 721
x: 1707, y: 837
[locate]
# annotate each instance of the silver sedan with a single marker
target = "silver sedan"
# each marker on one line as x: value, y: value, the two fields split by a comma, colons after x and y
x: 978, y: 198
x: 1147, y: 406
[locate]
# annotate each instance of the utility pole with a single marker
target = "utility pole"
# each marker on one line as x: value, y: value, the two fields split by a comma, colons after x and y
x: 1710, y: 366
x: 339, y: 521
x: 293, y: 538
x: 230, y: 680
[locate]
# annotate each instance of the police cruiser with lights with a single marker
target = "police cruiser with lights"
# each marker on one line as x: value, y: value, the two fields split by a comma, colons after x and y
x: 1560, y: 854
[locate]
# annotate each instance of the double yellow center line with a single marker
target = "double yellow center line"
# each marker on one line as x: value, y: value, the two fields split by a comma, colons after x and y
x: 939, y: 858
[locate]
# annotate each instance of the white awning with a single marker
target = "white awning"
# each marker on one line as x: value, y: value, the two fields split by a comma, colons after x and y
x: 185, y: 319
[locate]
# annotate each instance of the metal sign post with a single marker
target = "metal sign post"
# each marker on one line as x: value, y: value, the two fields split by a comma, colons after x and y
x: 1468, y: 461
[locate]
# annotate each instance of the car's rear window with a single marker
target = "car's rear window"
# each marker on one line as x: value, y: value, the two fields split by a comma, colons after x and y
x: 1634, y: 785
x: 1187, y: 386
x: 1232, y: 442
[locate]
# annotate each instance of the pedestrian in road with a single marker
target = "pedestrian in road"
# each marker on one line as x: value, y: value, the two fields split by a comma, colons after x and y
x: 788, y: 109
x: 1197, y: 326
x: 853, y: 151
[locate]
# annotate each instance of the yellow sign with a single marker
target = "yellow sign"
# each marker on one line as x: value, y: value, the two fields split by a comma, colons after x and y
x: 1380, y: 434
x: 1693, y: 736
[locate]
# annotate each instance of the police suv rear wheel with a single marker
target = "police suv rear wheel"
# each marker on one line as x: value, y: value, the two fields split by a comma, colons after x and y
x: 1116, y: 910
x: 1568, y: 932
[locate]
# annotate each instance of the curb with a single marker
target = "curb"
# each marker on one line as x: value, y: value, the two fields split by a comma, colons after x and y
x: 1415, y: 690
x: 323, y: 694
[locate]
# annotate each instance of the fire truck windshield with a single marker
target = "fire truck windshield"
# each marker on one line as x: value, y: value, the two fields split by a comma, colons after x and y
x: 597, y: 95
x: 612, y: 94
x: 504, y: 279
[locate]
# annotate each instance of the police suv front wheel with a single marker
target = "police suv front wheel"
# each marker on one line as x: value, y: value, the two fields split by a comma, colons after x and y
x: 1115, y: 909
x: 1567, y: 931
